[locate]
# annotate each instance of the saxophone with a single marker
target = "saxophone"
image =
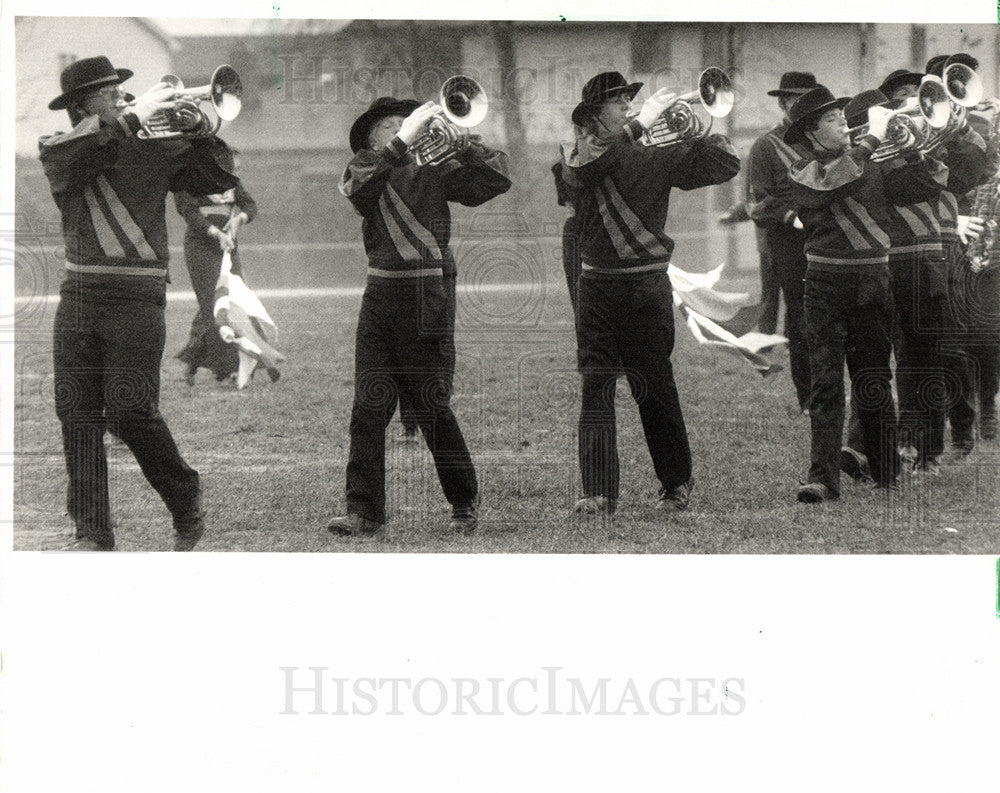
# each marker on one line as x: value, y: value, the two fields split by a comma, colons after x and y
x: 986, y: 205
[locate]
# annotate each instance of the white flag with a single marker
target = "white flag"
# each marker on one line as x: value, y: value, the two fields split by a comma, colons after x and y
x: 723, y: 320
x: 244, y: 322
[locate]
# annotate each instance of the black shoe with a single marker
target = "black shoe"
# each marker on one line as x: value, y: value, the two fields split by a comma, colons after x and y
x: 90, y: 544
x: 929, y: 466
x: 188, y: 530
x: 464, y: 518
x: 353, y: 525
x: 815, y: 492
x: 678, y: 498
x: 908, y: 456
x: 962, y: 444
x: 854, y: 464
x: 595, y: 505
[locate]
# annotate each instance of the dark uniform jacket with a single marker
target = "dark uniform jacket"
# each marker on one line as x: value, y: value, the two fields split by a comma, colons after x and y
x: 625, y: 192
x: 111, y: 190
x: 844, y: 203
x: 916, y: 228
x: 214, y: 209
x: 969, y: 165
x: 565, y: 195
x: 407, y: 222
x: 769, y: 191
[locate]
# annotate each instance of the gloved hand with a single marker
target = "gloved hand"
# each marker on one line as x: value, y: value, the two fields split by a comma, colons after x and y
x: 227, y: 333
x: 155, y: 99
x: 474, y: 141
x: 415, y: 123
x: 653, y: 107
x: 969, y: 228
x: 226, y: 243
x: 878, y: 121
x: 234, y: 224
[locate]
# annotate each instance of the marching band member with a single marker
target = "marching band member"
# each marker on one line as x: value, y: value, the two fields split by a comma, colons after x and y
x: 897, y: 87
x: 406, y: 330
x: 965, y: 157
x: 916, y: 263
x: 840, y: 197
x: 109, y: 331
x: 974, y: 334
x: 771, y: 209
x: 213, y: 221
x: 624, y: 312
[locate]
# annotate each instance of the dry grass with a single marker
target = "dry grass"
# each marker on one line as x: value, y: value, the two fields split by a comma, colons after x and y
x: 272, y: 458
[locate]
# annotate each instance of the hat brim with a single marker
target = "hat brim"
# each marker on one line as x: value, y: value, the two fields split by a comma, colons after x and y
x: 362, y: 126
x: 795, y: 134
x: 586, y: 110
x: 963, y: 58
x: 63, y: 101
x: 889, y: 86
x: 790, y: 91
x: 631, y: 89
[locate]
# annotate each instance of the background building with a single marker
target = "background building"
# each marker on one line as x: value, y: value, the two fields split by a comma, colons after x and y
x: 306, y: 80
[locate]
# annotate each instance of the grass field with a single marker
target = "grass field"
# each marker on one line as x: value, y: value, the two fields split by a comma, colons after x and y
x: 272, y: 457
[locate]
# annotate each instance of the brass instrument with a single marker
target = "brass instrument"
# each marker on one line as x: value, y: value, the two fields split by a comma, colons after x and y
x: 963, y: 90
x: 680, y: 123
x: 463, y: 105
x: 912, y: 125
x: 187, y: 118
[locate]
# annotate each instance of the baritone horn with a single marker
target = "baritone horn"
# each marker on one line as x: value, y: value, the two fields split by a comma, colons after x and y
x: 463, y: 105
x: 680, y: 123
x: 963, y: 89
x: 188, y: 117
x: 913, y: 125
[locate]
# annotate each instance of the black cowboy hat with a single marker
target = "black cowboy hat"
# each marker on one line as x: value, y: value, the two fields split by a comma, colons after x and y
x: 898, y: 79
x: 85, y: 75
x: 381, y: 108
x: 809, y: 106
x: 598, y: 89
x: 936, y: 64
x: 794, y: 84
x: 856, y: 111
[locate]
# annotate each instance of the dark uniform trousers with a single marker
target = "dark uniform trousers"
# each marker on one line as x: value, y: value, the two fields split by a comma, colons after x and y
x: 572, y: 261
x: 785, y: 246
x: 919, y: 286
x: 106, y: 357
x: 627, y: 321
x: 770, y: 287
x: 971, y: 347
x: 983, y: 344
x: 405, y: 345
x: 205, y: 347
x: 848, y: 316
